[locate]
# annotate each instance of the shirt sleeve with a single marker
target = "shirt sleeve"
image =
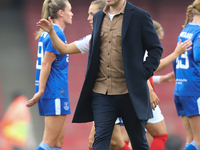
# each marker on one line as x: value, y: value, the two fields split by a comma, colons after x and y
x: 83, y: 44
x: 51, y: 48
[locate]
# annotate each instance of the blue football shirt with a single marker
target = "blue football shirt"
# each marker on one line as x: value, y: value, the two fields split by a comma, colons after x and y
x: 57, y: 83
x: 187, y: 65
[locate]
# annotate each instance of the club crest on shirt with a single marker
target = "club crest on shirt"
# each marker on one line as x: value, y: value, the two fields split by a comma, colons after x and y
x: 66, y: 106
x: 62, y: 92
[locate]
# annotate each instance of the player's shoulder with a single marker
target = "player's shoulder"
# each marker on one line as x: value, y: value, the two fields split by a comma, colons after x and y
x: 44, y: 35
x: 192, y: 30
x: 193, y: 26
x: 58, y: 29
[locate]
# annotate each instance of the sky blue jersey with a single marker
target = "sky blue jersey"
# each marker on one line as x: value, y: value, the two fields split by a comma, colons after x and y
x: 57, y: 83
x: 187, y: 66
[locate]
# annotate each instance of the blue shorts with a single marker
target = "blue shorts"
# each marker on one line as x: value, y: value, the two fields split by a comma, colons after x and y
x: 187, y: 105
x: 58, y: 106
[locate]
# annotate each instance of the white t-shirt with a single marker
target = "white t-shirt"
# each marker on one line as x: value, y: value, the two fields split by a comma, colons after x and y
x: 83, y: 44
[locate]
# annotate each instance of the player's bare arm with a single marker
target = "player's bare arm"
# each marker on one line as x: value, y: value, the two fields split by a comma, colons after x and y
x: 47, y: 25
x: 49, y: 57
x: 153, y: 97
x: 181, y: 48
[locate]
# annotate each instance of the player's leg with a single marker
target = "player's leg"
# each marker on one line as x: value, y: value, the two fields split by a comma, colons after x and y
x: 53, y: 127
x: 117, y: 141
x: 179, y: 101
x: 126, y: 138
x: 149, y: 137
x: 124, y: 134
x: 157, y: 128
x: 60, y: 139
x: 55, y: 111
x: 191, y: 105
x: 91, y: 137
x: 194, y: 123
x: 188, y: 130
x: 159, y: 133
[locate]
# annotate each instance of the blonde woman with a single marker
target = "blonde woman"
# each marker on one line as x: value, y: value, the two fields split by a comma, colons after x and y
x: 187, y: 73
x: 51, y: 83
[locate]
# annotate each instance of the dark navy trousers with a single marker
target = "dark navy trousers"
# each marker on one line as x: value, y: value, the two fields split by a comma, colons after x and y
x: 106, y: 109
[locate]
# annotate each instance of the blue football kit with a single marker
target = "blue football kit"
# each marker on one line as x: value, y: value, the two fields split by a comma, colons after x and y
x: 187, y: 72
x: 55, y: 100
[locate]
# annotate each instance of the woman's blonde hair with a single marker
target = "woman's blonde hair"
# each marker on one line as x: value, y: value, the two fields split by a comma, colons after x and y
x: 50, y: 9
x: 192, y: 9
x: 101, y: 3
x: 157, y: 26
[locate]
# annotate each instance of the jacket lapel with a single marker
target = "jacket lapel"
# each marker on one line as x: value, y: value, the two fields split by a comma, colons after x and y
x: 128, y: 12
x: 98, y: 24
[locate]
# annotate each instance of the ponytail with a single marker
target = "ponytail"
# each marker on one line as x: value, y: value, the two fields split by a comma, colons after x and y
x: 45, y: 15
x: 50, y: 9
x: 188, y: 15
x: 192, y: 9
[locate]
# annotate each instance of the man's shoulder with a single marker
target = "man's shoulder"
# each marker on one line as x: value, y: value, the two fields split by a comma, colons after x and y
x: 135, y: 8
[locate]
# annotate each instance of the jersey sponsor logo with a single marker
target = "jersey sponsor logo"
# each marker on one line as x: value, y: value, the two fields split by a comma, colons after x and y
x: 66, y: 106
x: 181, y: 81
x: 186, y: 35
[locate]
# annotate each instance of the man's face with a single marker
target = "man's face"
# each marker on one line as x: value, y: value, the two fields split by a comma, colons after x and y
x: 91, y: 11
x: 112, y: 2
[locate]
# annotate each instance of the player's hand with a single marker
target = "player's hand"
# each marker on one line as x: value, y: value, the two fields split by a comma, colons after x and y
x: 34, y: 100
x: 46, y: 25
x: 154, y: 99
x: 182, y: 47
x: 170, y: 77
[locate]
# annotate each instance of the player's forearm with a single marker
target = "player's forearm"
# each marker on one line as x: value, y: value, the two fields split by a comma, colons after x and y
x: 61, y: 46
x: 57, y: 42
x: 149, y: 86
x: 44, y: 74
x: 166, y: 61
